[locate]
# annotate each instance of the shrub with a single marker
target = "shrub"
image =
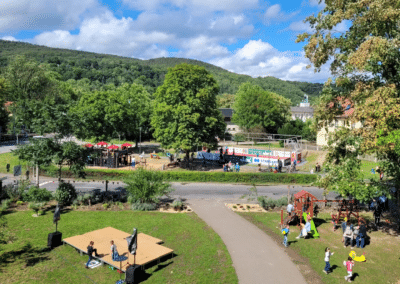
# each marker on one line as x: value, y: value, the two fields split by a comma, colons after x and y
x: 147, y: 186
x: 16, y: 191
x: 266, y: 202
x: 65, y: 193
x: 5, y: 204
x: 106, y: 205
x: 177, y: 204
x: 281, y: 202
x: 86, y: 198
x: 37, y: 194
x: 36, y: 207
x: 19, y: 202
x: 138, y: 206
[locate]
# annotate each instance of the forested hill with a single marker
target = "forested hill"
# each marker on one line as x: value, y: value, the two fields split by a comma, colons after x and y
x: 100, y: 69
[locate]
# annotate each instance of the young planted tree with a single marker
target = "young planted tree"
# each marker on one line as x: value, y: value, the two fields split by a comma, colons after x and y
x: 38, y: 152
x: 367, y: 70
x: 185, y: 109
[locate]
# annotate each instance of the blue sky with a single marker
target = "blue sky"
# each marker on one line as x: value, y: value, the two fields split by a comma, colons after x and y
x: 252, y: 37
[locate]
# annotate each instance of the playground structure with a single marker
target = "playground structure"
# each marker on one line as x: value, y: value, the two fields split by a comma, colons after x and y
x: 303, y: 206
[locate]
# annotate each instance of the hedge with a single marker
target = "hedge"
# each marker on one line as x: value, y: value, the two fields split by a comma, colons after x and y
x: 193, y: 176
x: 239, y: 177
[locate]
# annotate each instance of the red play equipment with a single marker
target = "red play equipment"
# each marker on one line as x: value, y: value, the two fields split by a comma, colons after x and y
x: 304, y: 203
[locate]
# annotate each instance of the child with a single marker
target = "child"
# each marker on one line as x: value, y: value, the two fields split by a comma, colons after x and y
x: 285, y: 233
x: 114, y: 252
x: 334, y: 222
x: 349, y: 266
x: 348, y: 235
x: 328, y: 254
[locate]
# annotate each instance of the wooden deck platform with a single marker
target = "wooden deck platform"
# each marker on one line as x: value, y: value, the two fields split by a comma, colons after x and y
x: 149, y: 248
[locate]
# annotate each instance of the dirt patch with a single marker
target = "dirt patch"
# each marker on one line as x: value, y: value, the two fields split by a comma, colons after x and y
x: 304, y: 266
x: 245, y: 207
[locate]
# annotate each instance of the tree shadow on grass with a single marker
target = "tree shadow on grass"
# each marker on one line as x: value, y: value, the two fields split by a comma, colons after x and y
x: 30, y: 255
x: 142, y: 275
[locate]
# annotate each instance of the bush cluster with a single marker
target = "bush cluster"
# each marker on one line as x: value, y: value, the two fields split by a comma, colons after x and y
x: 37, y: 194
x: 267, y: 202
x: 137, y: 206
x: 65, y: 193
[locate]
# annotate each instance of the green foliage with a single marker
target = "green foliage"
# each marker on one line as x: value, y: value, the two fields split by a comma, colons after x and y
x: 72, y: 154
x: 362, y: 59
x: 106, y: 205
x: 16, y: 192
x: 185, y: 110
x: 267, y: 202
x: 147, y: 186
x: 19, y: 202
x: 112, y: 112
x: 343, y: 174
x: 139, y: 206
x: 37, y: 194
x: 239, y: 137
x: 5, y: 204
x: 37, y: 207
x: 256, y: 107
x: 177, y: 204
x: 239, y: 177
x: 4, y: 89
x: 298, y: 127
x: 65, y: 193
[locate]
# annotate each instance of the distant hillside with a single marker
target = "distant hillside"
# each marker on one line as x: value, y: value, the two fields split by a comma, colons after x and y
x: 100, y: 69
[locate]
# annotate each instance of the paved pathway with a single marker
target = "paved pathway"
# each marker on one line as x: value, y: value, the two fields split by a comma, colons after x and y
x: 256, y: 257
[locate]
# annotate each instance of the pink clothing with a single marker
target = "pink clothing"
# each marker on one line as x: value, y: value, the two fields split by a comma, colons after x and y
x: 349, y: 266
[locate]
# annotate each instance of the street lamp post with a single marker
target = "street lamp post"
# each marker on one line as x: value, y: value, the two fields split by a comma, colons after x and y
x: 140, y: 140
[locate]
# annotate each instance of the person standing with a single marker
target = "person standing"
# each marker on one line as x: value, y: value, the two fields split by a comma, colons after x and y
x: 349, y: 266
x: 90, y: 251
x: 114, y: 251
x: 285, y: 233
x: 348, y: 235
x: 377, y: 215
x: 237, y: 167
x: 328, y: 254
x: 289, y: 208
x: 133, y: 162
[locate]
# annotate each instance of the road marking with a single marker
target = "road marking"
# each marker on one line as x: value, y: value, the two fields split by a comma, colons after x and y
x: 41, y: 184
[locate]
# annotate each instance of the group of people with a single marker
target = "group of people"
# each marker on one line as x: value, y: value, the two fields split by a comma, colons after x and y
x: 353, y: 235
x: 114, y: 253
x: 305, y: 229
x: 231, y: 167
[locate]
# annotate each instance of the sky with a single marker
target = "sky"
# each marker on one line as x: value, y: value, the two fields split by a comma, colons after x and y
x: 252, y: 37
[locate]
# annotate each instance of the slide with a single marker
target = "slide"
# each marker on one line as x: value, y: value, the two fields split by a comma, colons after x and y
x: 314, y: 231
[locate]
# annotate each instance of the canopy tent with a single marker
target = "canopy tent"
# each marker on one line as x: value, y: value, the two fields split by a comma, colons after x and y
x: 102, y: 143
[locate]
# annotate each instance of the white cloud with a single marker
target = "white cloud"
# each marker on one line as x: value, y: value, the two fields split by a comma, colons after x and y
x: 107, y: 34
x: 42, y: 14
x: 300, y: 26
x: 261, y: 59
x: 202, y: 47
x: 194, y: 5
x: 9, y: 38
x: 275, y: 14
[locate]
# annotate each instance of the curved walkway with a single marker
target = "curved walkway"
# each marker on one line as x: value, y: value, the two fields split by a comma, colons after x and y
x: 256, y: 257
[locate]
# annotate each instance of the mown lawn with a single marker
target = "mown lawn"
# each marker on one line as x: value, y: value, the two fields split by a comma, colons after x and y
x: 383, y: 253
x: 201, y: 256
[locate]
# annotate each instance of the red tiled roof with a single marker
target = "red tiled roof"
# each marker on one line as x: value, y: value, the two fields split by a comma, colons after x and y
x: 344, y: 105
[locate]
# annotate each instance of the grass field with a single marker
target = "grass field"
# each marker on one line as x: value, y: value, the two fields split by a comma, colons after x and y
x: 200, y: 254
x: 383, y: 253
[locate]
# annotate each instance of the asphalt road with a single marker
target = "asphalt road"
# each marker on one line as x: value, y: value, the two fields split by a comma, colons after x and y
x: 193, y: 190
